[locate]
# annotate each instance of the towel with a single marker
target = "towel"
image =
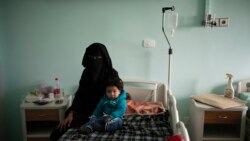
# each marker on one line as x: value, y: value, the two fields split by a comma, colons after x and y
x: 144, y: 108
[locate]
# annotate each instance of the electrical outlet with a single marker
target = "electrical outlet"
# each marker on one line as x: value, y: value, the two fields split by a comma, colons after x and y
x: 150, y: 43
x: 224, y: 22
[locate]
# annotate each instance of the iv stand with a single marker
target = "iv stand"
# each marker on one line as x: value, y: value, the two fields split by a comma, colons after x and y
x: 170, y: 51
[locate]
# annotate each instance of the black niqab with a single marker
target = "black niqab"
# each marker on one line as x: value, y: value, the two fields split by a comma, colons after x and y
x: 97, y: 62
x: 91, y: 87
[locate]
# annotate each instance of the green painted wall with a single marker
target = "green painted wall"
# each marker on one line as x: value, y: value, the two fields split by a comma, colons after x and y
x: 45, y: 38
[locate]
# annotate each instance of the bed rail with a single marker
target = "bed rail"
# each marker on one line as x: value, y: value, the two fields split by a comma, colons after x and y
x: 242, y: 85
x: 181, y: 129
x: 174, y: 112
x: 145, y: 86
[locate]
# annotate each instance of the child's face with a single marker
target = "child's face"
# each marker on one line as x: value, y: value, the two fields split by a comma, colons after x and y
x: 112, y: 92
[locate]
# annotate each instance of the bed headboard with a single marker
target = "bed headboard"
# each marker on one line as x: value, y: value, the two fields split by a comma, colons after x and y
x: 242, y: 85
x: 145, y: 90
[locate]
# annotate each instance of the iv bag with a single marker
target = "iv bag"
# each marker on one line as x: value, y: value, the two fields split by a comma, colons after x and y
x: 172, y: 21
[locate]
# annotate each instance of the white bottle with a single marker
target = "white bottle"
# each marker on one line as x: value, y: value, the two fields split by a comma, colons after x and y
x: 229, y: 91
x: 57, y: 89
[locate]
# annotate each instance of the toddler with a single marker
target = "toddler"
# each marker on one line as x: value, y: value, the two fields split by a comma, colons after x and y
x: 108, y: 114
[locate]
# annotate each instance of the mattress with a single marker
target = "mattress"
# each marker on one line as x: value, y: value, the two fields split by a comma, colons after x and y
x: 135, y: 128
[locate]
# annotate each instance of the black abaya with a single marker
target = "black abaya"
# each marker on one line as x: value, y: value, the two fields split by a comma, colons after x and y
x: 98, y: 68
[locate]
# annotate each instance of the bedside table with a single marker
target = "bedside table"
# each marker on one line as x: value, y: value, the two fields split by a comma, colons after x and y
x: 208, y: 123
x: 38, y: 121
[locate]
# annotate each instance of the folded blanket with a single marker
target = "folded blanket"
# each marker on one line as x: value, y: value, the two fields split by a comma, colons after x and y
x: 144, y: 108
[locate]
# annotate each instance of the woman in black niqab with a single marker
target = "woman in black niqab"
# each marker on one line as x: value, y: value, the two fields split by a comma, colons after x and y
x: 98, y: 68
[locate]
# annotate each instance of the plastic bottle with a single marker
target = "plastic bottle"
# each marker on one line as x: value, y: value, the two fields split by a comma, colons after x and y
x: 57, y: 89
x: 229, y: 91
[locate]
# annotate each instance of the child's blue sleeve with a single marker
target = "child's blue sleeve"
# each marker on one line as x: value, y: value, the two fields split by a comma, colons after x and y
x: 120, y: 109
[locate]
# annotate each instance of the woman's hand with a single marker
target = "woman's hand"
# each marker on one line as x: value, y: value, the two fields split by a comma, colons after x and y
x: 66, y: 122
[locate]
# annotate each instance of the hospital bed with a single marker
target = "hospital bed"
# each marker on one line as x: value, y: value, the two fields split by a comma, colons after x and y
x: 141, y: 127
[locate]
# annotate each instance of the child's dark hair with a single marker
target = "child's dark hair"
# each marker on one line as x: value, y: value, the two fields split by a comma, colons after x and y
x: 115, y: 82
